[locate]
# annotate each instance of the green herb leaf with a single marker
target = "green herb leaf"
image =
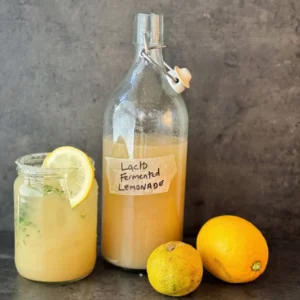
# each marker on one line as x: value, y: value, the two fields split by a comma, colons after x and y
x: 22, y: 222
x: 48, y: 189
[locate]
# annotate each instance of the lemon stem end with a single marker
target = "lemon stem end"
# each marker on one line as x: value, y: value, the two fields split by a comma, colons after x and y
x: 170, y: 247
x: 256, y: 266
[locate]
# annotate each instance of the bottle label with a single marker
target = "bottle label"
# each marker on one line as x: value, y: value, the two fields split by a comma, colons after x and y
x: 146, y: 176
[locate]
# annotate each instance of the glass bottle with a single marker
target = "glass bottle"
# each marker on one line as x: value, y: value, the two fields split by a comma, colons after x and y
x: 144, y: 157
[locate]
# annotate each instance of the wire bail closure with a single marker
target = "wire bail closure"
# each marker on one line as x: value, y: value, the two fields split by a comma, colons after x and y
x: 179, y: 83
x: 144, y: 54
x: 151, y: 61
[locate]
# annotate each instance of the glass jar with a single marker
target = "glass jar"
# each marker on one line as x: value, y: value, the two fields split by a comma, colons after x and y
x: 144, y: 157
x: 53, y: 242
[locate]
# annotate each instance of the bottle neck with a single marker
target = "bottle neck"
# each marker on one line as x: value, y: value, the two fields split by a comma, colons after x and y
x: 149, y: 28
x: 155, y: 54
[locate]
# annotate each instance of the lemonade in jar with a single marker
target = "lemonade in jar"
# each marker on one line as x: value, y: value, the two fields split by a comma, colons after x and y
x: 55, y: 200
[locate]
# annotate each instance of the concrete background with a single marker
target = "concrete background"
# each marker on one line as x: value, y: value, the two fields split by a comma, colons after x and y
x: 60, y: 61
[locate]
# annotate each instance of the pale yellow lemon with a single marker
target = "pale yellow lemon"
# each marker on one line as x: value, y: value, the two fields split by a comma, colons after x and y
x: 175, y: 269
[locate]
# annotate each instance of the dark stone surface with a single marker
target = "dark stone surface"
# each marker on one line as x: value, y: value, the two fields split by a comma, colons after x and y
x: 60, y: 61
x: 279, y: 282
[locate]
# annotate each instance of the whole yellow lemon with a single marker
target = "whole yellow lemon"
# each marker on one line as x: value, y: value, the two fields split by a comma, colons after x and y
x: 175, y: 269
x: 232, y: 249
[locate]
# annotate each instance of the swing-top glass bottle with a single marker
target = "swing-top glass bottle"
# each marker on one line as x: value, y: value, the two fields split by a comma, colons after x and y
x: 144, y: 157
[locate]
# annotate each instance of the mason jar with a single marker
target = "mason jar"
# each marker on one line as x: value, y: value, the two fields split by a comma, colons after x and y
x: 53, y: 242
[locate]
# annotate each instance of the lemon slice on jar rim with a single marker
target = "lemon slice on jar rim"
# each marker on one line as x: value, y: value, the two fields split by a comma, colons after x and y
x: 78, y: 182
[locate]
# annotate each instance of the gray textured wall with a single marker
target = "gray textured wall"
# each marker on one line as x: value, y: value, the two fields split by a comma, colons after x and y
x: 60, y: 61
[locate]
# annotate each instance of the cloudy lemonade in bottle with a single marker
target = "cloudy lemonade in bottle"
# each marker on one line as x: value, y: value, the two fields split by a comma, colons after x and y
x: 140, y: 214
x: 144, y: 156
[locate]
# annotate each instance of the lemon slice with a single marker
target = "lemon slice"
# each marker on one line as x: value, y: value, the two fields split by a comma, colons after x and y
x: 79, y: 181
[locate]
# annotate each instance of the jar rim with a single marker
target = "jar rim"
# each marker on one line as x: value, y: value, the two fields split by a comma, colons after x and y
x: 31, y: 164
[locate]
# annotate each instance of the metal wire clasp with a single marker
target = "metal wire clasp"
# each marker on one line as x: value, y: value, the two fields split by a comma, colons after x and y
x: 144, y: 54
